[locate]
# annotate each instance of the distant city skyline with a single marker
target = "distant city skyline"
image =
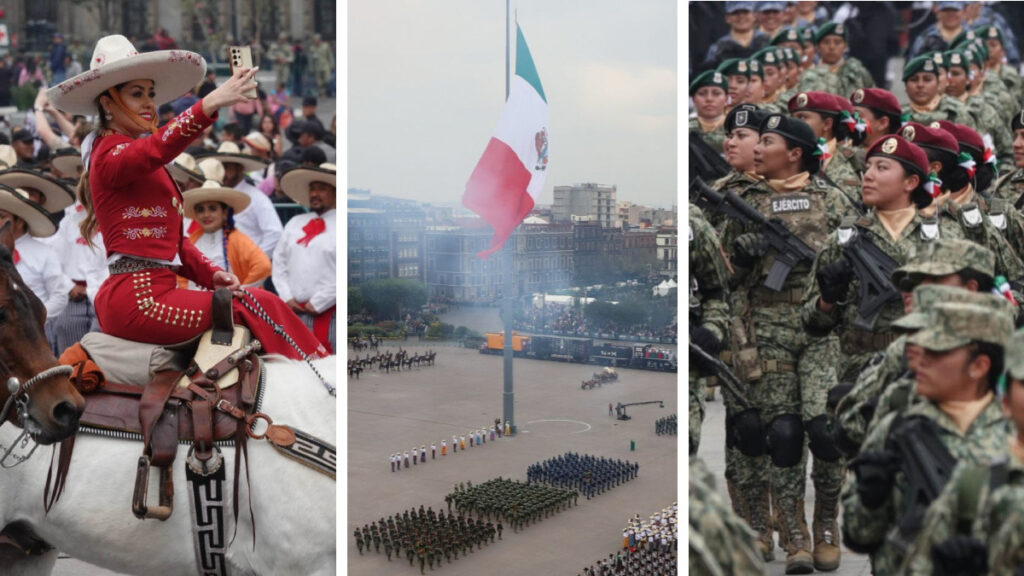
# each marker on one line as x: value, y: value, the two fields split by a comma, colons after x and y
x: 426, y: 87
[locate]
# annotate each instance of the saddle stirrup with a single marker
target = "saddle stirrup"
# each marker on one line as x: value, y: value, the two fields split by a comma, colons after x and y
x: 139, y: 505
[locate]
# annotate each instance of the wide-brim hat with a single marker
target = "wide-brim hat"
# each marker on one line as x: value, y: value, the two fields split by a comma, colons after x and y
x: 67, y: 161
x: 58, y: 196
x: 184, y: 168
x: 258, y: 141
x: 295, y: 182
x: 229, y: 152
x: 8, y: 157
x: 213, y: 191
x: 16, y: 202
x: 116, y: 61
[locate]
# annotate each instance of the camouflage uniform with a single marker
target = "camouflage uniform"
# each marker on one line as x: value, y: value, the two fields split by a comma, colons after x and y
x: 978, y: 227
x: 715, y: 138
x: 950, y: 326
x: 841, y: 80
x: 720, y: 543
x: 992, y: 124
x: 737, y: 182
x: 1010, y: 186
x: 949, y: 108
x: 797, y: 369
x: 281, y: 55
x: 840, y: 171
x: 708, y: 304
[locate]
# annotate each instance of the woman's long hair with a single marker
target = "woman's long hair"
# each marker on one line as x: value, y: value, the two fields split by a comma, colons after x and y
x: 88, y: 225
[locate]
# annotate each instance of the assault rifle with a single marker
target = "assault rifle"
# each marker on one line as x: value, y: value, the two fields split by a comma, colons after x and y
x: 708, y: 164
x: 927, y: 466
x: 874, y: 269
x: 790, y: 248
x: 729, y: 380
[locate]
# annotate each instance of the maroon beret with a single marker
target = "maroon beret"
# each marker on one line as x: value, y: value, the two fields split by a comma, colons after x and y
x: 964, y: 135
x: 907, y: 153
x: 927, y: 137
x: 822, y: 102
x: 876, y: 98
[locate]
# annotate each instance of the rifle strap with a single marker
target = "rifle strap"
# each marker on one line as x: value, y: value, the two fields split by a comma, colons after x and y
x: 969, y: 491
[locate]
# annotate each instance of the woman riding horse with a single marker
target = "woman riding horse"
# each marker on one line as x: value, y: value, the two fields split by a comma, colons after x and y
x: 132, y: 199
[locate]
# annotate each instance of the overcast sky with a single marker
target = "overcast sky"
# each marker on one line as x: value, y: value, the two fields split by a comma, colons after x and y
x: 426, y: 84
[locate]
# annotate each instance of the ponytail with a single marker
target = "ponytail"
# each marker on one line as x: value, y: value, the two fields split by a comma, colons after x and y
x: 89, y: 225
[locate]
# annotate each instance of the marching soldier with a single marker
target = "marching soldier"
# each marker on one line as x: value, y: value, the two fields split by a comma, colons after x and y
x: 1010, y: 187
x: 834, y: 121
x: 281, y: 55
x: 709, y: 92
x: 720, y: 542
x: 989, y: 122
x: 927, y: 103
x: 938, y: 36
x: 742, y: 40
x: 880, y: 110
x: 996, y: 66
x: 835, y: 74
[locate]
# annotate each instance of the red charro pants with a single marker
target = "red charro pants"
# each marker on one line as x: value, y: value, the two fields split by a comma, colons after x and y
x: 149, y: 307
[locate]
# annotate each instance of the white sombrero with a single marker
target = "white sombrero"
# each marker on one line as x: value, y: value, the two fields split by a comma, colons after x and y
x: 295, y: 182
x: 8, y: 157
x: 184, y: 169
x: 16, y: 202
x: 258, y: 141
x: 229, y: 152
x: 211, y: 169
x: 116, y: 61
x: 67, y: 161
x: 213, y: 191
x: 58, y: 196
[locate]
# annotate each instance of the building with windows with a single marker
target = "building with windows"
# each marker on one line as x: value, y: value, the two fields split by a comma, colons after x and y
x: 586, y: 200
x: 667, y: 251
x: 385, y: 237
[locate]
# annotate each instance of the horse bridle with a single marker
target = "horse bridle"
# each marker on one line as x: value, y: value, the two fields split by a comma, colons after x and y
x: 19, y: 396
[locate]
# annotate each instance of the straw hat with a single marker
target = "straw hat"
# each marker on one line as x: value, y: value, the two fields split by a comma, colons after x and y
x: 257, y: 141
x: 115, y: 61
x: 295, y: 182
x: 184, y: 169
x: 58, y: 196
x: 67, y: 161
x: 229, y: 152
x: 8, y: 157
x: 213, y: 191
x: 16, y: 202
x: 211, y: 169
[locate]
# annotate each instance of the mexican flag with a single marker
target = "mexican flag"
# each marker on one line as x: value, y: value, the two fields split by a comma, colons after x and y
x: 510, y: 174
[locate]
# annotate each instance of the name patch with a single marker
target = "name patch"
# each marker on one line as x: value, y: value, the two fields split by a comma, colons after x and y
x: 788, y: 204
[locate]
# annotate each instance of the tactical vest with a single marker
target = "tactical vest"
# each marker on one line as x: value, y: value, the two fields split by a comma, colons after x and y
x: 803, y: 212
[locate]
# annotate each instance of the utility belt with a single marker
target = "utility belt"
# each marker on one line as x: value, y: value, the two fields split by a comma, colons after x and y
x: 767, y: 366
x: 129, y: 265
x: 761, y: 296
x: 855, y: 341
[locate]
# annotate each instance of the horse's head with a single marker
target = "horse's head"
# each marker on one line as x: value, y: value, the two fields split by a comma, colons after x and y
x: 46, y: 404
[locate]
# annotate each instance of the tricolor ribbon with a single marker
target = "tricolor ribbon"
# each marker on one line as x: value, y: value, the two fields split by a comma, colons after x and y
x: 933, y: 186
x: 966, y: 161
x: 1003, y: 289
x: 822, y: 151
x: 904, y: 118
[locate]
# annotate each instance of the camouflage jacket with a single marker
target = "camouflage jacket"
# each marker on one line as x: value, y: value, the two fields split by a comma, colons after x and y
x: 1006, y: 219
x: 1001, y: 99
x: 841, y: 318
x: 992, y: 124
x: 736, y: 182
x: 840, y: 171
x: 998, y: 518
x: 883, y: 369
x: 1010, y: 186
x: 720, y: 541
x: 867, y: 528
x: 1009, y: 77
x: 978, y: 227
x: 715, y: 139
x: 709, y: 275
x: 850, y: 76
x: 948, y: 109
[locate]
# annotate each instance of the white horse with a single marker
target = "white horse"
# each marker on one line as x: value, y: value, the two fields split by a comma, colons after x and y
x: 293, y: 505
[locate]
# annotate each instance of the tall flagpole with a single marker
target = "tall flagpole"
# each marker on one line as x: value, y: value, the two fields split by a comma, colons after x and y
x: 508, y: 298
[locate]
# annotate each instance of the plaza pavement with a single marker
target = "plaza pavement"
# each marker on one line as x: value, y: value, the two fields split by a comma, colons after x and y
x: 462, y: 392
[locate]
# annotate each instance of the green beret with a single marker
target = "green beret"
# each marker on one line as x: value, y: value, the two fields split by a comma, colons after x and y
x: 958, y: 59
x: 939, y: 60
x: 923, y: 63
x: 709, y: 78
x: 754, y: 68
x: 807, y: 34
x: 789, y: 55
x: 964, y: 37
x: 976, y: 56
x: 734, y: 67
x: 988, y: 32
x: 786, y: 35
x: 768, y: 56
x: 830, y: 29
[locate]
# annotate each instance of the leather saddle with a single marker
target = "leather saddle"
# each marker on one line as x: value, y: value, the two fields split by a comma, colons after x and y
x: 197, y: 392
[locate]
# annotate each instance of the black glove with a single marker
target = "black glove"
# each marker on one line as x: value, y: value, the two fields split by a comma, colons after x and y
x: 960, y: 556
x: 834, y: 280
x: 708, y: 342
x: 876, y: 475
x: 748, y: 249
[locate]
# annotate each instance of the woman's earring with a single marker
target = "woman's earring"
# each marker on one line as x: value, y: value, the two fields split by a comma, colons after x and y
x: 108, y: 116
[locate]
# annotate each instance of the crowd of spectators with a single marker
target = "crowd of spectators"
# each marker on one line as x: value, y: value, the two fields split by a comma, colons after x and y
x: 563, y: 319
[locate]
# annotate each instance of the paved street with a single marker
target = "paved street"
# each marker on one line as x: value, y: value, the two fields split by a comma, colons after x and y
x: 712, y: 451
x: 391, y: 412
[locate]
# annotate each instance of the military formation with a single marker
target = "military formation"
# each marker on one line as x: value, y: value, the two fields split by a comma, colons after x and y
x: 855, y: 266
x: 517, y: 503
x: 426, y: 536
x: 666, y: 426
x: 588, y: 474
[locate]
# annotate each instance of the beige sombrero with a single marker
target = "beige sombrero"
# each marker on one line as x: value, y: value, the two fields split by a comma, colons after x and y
x: 258, y: 141
x: 211, y: 169
x: 116, y: 61
x: 229, y: 152
x: 67, y: 161
x: 8, y: 157
x: 214, y: 191
x: 58, y: 196
x: 295, y: 182
x: 184, y: 169
x: 16, y: 202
